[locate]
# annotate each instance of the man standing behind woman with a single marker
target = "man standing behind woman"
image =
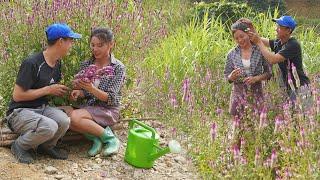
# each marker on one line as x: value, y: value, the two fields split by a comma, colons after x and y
x: 103, y: 96
x: 287, y: 54
x: 245, y: 68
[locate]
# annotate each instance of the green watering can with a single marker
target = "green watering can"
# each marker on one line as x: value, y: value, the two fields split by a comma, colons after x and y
x: 143, y: 145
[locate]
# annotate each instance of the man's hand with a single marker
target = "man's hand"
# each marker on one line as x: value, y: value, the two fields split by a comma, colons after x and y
x: 234, y: 75
x: 249, y: 23
x: 255, y: 38
x: 75, y: 94
x: 57, y: 89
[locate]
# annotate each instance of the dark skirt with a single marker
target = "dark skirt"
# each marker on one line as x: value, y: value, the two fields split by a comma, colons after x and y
x: 242, y: 94
x: 104, y: 116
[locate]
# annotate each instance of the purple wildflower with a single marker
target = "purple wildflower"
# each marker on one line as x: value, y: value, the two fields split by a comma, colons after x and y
x: 236, y: 152
x: 219, y: 111
x: 173, y: 101
x: 186, y: 90
x: 277, y: 124
x: 213, y: 131
x: 257, y: 157
x: 273, y: 157
x: 263, y: 118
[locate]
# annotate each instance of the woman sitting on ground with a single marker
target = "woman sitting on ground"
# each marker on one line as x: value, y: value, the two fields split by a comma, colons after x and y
x: 103, y: 96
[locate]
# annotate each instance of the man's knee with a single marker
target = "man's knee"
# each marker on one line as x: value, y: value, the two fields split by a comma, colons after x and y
x: 47, y: 128
x: 63, y: 120
x: 64, y: 123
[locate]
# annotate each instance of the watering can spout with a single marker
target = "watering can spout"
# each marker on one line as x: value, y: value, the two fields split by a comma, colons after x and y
x: 173, y: 147
x: 159, y: 153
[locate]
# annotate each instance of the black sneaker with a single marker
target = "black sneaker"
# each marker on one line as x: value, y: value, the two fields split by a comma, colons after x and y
x: 20, y: 154
x: 33, y: 153
x: 54, y: 152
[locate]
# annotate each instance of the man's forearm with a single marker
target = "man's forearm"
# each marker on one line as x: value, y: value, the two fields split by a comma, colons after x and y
x: 265, y: 41
x: 20, y: 95
x: 270, y: 56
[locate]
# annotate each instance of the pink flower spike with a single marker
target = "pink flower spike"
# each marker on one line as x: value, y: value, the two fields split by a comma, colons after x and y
x: 257, y: 157
x: 273, y: 157
x: 213, y: 131
x: 219, y: 111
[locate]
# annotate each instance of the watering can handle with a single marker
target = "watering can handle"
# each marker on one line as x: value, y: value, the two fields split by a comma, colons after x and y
x: 132, y: 122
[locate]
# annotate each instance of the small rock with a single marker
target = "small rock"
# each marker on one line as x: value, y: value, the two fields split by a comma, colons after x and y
x: 103, y: 174
x: 106, y: 163
x: 75, y: 166
x: 137, y: 173
x: 50, y: 170
x: 87, y: 169
x: 180, y: 159
x: 98, y: 160
x: 184, y: 169
x: 114, y: 173
x: 177, y: 174
x: 96, y: 166
x: 97, y: 156
x: 59, y: 176
x: 33, y: 168
x: 114, y: 158
x: 168, y: 163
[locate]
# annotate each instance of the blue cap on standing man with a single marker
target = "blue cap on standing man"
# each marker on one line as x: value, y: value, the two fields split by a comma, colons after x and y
x: 59, y: 30
x: 286, y: 21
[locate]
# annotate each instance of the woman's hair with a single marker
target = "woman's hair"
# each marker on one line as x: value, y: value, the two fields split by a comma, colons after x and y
x: 103, y: 34
x: 239, y: 26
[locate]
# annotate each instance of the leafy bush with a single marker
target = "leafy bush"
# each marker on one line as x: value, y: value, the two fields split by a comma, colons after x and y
x: 267, y: 6
x: 228, y: 12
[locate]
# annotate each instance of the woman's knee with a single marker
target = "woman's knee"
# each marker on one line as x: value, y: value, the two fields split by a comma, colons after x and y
x: 79, y: 114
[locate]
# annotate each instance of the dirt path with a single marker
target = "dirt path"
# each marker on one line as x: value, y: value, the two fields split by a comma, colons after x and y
x: 79, y: 166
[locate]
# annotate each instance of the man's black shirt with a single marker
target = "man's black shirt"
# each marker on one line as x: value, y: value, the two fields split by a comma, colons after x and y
x: 35, y: 73
x: 291, y: 51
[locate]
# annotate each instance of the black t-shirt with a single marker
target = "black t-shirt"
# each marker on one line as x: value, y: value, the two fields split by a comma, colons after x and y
x: 35, y: 73
x: 291, y: 51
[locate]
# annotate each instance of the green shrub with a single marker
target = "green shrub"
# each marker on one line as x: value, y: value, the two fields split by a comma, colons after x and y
x: 228, y: 12
x: 267, y: 6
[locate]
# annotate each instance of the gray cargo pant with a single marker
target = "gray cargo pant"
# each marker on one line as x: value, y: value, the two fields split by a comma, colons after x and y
x: 38, y: 126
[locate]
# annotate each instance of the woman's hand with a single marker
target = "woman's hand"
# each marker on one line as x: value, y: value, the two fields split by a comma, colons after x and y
x: 235, y: 74
x: 250, y: 80
x: 88, y: 86
x: 75, y: 94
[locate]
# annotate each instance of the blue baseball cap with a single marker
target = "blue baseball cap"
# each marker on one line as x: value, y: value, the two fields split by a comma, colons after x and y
x: 286, y: 21
x: 59, y: 30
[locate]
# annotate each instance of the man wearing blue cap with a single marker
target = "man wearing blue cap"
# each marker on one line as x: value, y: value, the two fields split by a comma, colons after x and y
x: 287, y: 54
x: 40, y: 126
